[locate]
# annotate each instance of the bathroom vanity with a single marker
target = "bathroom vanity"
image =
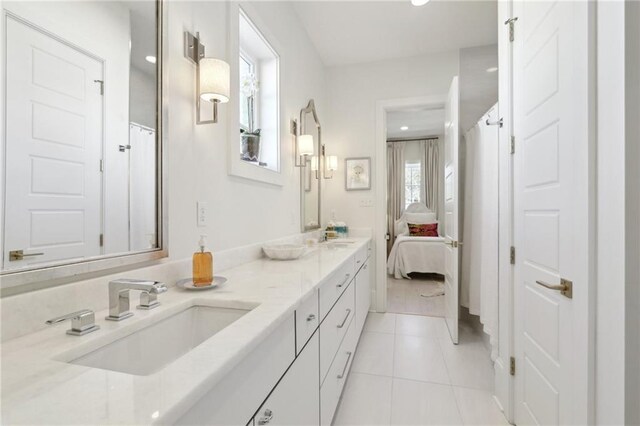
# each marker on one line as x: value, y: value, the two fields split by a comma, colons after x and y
x: 272, y: 346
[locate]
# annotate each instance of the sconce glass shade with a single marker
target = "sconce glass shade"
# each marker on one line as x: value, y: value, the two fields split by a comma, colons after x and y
x: 215, y: 80
x: 314, y: 163
x: 305, y: 145
x: 332, y: 163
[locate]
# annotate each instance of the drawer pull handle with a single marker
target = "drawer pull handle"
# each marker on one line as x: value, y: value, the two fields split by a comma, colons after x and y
x: 358, y: 261
x: 346, y: 279
x: 344, y: 370
x: 268, y: 415
x: 345, y: 318
x: 311, y: 317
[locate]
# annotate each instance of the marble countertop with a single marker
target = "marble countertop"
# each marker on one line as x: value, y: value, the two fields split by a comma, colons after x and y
x: 39, y: 388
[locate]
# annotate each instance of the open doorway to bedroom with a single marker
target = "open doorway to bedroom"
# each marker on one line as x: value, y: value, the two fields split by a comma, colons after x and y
x: 415, y: 166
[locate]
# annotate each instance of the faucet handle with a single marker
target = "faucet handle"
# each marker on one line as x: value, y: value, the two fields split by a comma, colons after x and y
x: 82, y: 322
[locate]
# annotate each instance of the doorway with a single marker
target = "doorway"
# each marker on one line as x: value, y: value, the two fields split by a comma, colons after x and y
x: 415, y: 264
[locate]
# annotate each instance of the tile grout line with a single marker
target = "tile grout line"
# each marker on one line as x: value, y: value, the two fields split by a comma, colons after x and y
x: 393, y: 365
x: 455, y: 396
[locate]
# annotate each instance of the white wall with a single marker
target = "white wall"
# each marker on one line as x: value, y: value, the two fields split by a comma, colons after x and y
x: 142, y: 100
x: 478, y: 88
x: 349, y: 126
x: 240, y: 211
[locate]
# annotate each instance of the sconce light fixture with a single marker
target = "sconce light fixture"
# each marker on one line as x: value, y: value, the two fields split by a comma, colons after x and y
x: 330, y: 164
x: 213, y: 77
x: 303, y: 147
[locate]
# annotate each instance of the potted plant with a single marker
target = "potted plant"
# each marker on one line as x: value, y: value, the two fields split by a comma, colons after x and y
x: 250, y: 150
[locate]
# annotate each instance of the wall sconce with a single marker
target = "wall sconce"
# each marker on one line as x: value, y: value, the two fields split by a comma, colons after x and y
x: 303, y: 147
x: 314, y: 163
x: 330, y: 164
x: 213, y: 77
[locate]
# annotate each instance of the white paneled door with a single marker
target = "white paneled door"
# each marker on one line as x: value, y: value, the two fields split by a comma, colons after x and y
x: 451, y: 207
x: 53, y: 149
x: 551, y: 205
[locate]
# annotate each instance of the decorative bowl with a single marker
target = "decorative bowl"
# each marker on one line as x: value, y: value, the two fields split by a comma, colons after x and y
x: 284, y: 251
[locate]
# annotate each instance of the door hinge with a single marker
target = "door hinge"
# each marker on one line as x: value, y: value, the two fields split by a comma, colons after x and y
x: 512, y: 255
x: 101, y: 83
x: 511, y: 23
x: 513, y: 144
x: 512, y: 366
x: 101, y: 240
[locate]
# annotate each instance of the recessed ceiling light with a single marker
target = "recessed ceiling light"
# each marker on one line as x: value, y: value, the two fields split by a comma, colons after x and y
x: 151, y: 59
x: 492, y: 69
x: 419, y: 2
x: 403, y: 128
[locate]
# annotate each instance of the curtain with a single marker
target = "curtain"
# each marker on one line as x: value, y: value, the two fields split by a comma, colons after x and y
x: 395, y: 187
x: 142, y: 188
x: 430, y: 170
x: 479, y: 272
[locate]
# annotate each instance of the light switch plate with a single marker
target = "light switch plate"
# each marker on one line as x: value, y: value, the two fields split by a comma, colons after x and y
x: 366, y: 202
x: 202, y: 213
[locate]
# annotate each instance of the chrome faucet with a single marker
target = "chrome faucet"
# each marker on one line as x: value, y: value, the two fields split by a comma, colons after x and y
x: 119, y: 296
x: 82, y: 322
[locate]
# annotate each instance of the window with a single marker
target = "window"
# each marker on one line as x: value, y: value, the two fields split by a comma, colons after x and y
x: 412, y: 183
x: 258, y: 88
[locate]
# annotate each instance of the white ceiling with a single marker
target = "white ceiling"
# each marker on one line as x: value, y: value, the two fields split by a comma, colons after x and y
x: 348, y: 32
x: 420, y: 122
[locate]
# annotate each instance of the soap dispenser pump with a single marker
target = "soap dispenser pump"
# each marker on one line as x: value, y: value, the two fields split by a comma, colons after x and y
x: 202, y: 265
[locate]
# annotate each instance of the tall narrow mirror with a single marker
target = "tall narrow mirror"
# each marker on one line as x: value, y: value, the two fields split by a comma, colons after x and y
x: 310, y: 172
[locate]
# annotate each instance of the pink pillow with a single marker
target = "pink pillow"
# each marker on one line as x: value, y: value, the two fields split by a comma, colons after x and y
x: 423, y: 230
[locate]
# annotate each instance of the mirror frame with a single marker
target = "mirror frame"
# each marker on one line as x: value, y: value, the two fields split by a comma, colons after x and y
x: 25, y: 280
x: 310, y: 109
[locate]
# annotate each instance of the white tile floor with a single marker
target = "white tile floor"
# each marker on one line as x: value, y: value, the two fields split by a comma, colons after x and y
x: 405, y: 296
x: 407, y: 372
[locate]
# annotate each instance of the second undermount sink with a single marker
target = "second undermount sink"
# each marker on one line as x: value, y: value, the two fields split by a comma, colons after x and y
x: 150, y: 349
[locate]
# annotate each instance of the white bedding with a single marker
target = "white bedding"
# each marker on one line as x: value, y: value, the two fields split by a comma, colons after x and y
x: 416, y: 254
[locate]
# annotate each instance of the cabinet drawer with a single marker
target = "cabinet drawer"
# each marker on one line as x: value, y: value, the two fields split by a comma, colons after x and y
x: 301, y: 385
x: 307, y: 320
x: 334, y: 383
x: 361, y: 257
x: 233, y: 400
x: 334, y: 286
x: 334, y: 327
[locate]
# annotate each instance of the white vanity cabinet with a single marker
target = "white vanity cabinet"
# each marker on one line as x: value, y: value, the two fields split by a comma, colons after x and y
x: 294, y: 401
x: 297, y: 374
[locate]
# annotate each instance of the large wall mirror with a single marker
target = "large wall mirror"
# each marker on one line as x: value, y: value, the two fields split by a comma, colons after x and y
x: 310, y: 173
x: 82, y: 164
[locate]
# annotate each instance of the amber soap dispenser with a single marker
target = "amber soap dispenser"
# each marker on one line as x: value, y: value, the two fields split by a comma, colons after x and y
x: 202, y: 265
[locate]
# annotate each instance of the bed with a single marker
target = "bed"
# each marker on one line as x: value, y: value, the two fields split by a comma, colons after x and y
x: 415, y: 254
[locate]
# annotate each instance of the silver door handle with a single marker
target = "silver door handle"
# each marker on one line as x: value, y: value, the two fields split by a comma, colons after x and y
x: 345, y: 318
x: 346, y: 278
x: 565, y: 287
x: 266, y: 418
x: 344, y: 369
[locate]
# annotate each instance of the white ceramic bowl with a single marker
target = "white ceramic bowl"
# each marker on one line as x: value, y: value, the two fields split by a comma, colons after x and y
x: 284, y: 251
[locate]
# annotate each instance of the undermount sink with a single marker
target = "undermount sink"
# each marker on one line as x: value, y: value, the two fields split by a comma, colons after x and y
x: 150, y: 349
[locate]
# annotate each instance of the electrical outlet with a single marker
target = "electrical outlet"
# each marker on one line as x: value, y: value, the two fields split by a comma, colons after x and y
x: 366, y: 202
x: 202, y: 213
